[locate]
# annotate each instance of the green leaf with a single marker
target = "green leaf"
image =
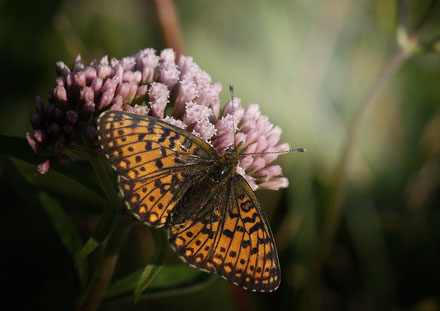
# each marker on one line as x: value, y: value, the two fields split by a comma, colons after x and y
x: 157, y: 260
x: 124, y: 285
x: 170, y: 277
x: 78, y: 173
x: 18, y: 147
x: 65, y: 229
x: 59, y: 185
x: 202, y: 282
x: 62, y: 224
x: 175, y: 276
x: 102, y: 231
x: 147, y: 276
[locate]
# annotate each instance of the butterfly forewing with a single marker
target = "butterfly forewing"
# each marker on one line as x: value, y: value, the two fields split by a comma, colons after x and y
x: 233, y: 240
x: 156, y: 161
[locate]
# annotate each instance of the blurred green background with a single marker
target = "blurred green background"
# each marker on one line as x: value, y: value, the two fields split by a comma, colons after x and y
x: 309, y: 65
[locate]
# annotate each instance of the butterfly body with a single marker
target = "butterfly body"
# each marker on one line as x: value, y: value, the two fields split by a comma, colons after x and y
x: 171, y: 178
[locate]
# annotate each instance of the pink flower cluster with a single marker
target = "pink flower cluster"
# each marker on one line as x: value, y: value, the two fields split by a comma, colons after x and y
x: 177, y: 91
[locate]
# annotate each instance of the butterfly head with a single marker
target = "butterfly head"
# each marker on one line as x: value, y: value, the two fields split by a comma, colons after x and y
x: 228, y: 162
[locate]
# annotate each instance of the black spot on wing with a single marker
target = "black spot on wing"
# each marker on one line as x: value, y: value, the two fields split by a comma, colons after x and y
x: 228, y: 233
x: 164, y: 136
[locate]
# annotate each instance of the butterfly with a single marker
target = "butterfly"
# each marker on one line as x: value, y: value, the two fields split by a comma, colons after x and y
x: 170, y: 177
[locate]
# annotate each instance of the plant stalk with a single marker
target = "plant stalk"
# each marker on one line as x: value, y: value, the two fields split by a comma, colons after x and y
x: 169, y: 22
x: 396, y: 60
x: 107, y: 264
x: 107, y: 261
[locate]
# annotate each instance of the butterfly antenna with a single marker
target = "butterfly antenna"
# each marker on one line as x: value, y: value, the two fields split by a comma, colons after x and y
x: 275, y: 152
x: 231, y: 90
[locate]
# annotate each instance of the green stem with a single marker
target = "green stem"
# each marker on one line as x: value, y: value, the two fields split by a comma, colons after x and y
x: 117, y: 234
x: 107, y: 184
x: 102, y: 278
x: 399, y: 56
x: 152, y: 269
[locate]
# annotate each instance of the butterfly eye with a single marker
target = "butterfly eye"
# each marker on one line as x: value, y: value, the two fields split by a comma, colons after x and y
x: 225, y: 170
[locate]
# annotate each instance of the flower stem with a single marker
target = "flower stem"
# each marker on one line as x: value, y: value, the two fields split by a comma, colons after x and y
x: 396, y: 60
x: 169, y: 22
x: 106, y: 183
x: 160, y: 239
x: 102, y: 278
x: 107, y: 262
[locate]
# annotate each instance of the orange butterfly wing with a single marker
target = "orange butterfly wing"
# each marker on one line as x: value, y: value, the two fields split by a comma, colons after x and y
x: 156, y: 162
x: 234, y: 239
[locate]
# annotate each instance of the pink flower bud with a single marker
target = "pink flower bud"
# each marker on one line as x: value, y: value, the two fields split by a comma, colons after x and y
x: 40, y: 136
x: 36, y: 147
x: 158, y: 95
x: 90, y: 75
x: 141, y: 91
x: 58, y: 147
x: 39, y: 107
x: 169, y: 76
x: 175, y: 122
x: 43, y: 167
x: 167, y: 57
x: 62, y: 69
x: 87, y: 94
x: 67, y: 129
x: 55, y: 129
x: 205, y: 129
x: 275, y: 183
x: 78, y: 66
x: 58, y: 115
x: 97, y: 85
x: 60, y: 94
x: 195, y: 113
x: 71, y: 117
x: 36, y: 120
x: 141, y: 110
x: 106, y: 99
x: 86, y: 111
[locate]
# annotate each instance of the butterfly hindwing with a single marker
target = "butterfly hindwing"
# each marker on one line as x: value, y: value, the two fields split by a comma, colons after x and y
x: 193, y: 239
x: 233, y: 240
x: 156, y: 161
